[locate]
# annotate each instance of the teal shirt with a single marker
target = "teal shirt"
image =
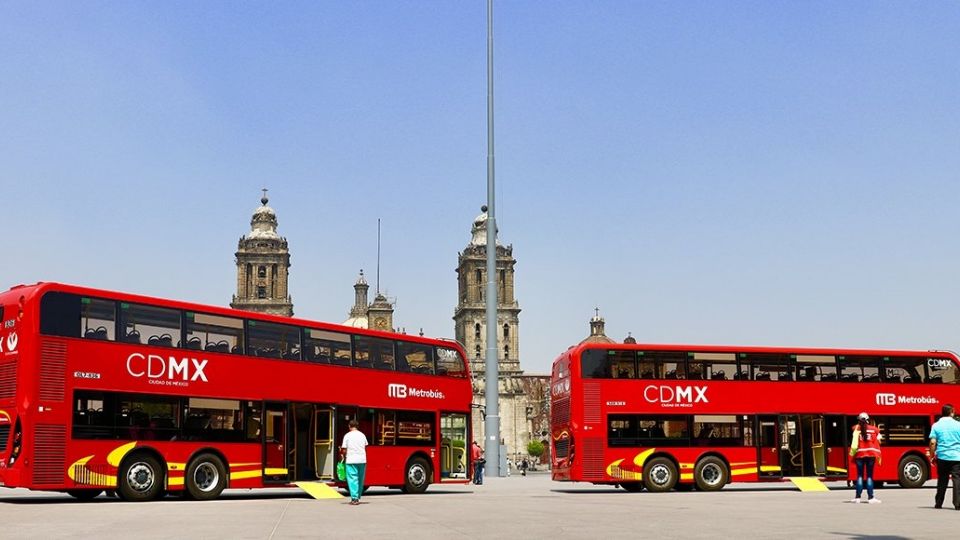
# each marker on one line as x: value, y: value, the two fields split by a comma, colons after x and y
x: 947, y: 433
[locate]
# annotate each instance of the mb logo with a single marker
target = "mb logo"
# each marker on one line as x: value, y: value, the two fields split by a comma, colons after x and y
x: 397, y: 390
x: 886, y: 399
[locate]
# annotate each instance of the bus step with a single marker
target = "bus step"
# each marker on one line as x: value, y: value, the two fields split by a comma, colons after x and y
x: 319, y: 490
x: 809, y: 483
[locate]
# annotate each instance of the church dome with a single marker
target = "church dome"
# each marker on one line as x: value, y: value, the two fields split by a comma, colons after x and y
x: 263, y: 224
x: 357, y: 322
x: 479, y: 229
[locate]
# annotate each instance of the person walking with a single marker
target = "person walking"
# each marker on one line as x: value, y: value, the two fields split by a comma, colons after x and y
x: 865, y: 451
x: 945, y: 448
x: 524, y: 465
x: 476, y: 455
x: 354, y: 451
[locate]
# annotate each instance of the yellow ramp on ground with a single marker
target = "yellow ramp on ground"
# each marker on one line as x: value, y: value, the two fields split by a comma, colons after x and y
x: 808, y: 483
x: 319, y: 490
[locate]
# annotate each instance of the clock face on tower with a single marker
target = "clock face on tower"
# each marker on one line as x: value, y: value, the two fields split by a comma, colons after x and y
x: 380, y: 323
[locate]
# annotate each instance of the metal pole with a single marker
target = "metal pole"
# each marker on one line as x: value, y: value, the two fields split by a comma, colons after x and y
x: 492, y: 388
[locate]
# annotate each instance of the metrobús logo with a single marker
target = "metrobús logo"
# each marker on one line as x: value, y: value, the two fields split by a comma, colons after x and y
x: 889, y: 400
x: 402, y: 391
x: 675, y: 396
x: 8, y: 345
x: 166, y: 371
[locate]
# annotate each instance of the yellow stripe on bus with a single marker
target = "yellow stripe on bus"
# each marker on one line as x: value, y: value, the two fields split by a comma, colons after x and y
x: 271, y: 471
x: 241, y: 475
x: 116, y: 456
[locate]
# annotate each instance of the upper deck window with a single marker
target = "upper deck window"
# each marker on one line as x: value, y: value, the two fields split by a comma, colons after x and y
x: 274, y: 340
x: 415, y: 358
x: 373, y: 353
x: 907, y: 370
x: 942, y: 370
x: 816, y: 367
x: 860, y: 368
x: 148, y: 324
x: 214, y: 333
x: 70, y: 315
x: 325, y: 347
x: 449, y: 363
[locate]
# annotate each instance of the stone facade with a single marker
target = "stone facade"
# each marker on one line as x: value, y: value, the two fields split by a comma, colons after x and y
x: 524, y: 399
x: 378, y: 315
x: 263, y: 266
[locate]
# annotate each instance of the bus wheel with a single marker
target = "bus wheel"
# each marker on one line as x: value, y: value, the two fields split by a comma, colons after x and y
x: 913, y: 472
x: 711, y: 474
x: 632, y: 487
x: 84, y: 494
x: 660, y: 474
x: 418, y: 476
x: 140, y: 478
x: 206, y: 477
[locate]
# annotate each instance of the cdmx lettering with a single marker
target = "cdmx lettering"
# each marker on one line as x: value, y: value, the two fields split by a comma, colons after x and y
x: 675, y: 394
x: 170, y: 368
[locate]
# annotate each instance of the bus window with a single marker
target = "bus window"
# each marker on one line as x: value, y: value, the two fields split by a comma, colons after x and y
x: 622, y: 430
x: 942, y: 370
x: 414, y: 358
x: 593, y: 364
x: 907, y: 370
x: 213, y: 420
x: 415, y: 428
x: 449, y: 363
x: 769, y: 367
x: 150, y: 325
x: 716, y: 366
x: 324, y: 347
x: 860, y: 368
x: 903, y: 430
x: 622, y: 364
x: 273, y: 340
x: 670, y: 364
x: 646, y: 366
x: 718, y: 430
x: 225, y: 334
x: 60, y: 314
x: 373, y: 353
x: 812, y: 367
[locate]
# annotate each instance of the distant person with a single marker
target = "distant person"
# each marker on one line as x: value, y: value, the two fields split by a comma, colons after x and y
x: 945, y: 448
x: 524, y: 465
x: 509, y: 466
x: 354, y: 450
x: 476, y: 455
x: 865, y: 451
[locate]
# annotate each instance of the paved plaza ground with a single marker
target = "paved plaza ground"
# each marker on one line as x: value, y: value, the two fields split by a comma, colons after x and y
x: 516, y: 507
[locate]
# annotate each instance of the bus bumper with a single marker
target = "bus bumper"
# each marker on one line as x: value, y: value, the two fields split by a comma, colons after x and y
x: 9, y: 478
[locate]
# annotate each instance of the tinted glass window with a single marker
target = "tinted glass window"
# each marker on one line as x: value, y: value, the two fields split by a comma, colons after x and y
x: 816, y: 368
x: 941, y: 370
x: 373, y: 353
x: 859, y: 368
x: 213, y: 420
x: 98, y: 318
x: 715, y: 366
x: 273, y: 340
x: 151, y: 325
x: 60, y: 314
x: 719, y: 430
x: 648, y: 430
x: 214, y: 333
x: 415, y: 358
x: 908, y: 370
x: 903, y: 430
x: 415, y: 428
x: 323, y: 347
x: 593, y: 364
x: 622, y: 364
x: 769, y: 367
x: 450, y: 363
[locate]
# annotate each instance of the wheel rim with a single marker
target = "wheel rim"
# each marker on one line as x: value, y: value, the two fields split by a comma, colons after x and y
x: 711, y: 474
x: 660, y: 474
x: 417, y: 475
x: 206, y: 477
x: 140, y: 477
x: 912, y: 471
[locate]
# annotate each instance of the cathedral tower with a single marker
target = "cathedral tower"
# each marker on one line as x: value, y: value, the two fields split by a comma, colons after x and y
x: 263, y: 266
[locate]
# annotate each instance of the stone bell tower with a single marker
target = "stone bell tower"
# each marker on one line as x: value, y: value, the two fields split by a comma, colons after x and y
x: 263, y: 266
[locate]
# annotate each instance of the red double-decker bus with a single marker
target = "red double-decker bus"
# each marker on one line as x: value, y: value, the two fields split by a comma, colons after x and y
x: 675, y: 416
x: 109, y: 391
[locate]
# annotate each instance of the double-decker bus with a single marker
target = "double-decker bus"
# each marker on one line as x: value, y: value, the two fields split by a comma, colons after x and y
x: 675, y: 416
x: 141, y: 396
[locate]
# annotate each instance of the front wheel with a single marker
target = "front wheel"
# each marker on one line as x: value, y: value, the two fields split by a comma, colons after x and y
x: 418, y: 476
x: 913, y: 472
x: 140, y: 478
x: 660, y: 474
x: 206, y: 477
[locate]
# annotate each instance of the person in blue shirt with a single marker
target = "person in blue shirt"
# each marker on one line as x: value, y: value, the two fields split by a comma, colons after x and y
x: 945, y: 446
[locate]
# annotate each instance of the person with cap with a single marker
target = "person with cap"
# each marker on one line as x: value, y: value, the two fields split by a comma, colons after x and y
x: 945, y: 448
x: 865, y: 451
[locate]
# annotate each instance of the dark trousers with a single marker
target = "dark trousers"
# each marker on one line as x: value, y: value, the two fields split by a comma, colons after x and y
x: 865, y: 475
x: 946, y: 469
x: 477, y: 472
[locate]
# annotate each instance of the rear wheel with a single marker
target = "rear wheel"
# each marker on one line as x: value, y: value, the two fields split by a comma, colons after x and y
x: 418, y: 476
x: 140, y: 478
x: 84, y: 494
x: 660, y: 474
x: 711, y: 474
x: 632, y: 487
x: 913, y: 472
x: 206, y: 477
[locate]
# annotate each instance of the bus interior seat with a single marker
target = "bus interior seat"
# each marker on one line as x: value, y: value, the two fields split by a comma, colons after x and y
x: 672, y: 374
x: 893, y: 377
x: 194, y: 344
x: 762, y: 376
x: 719, y: 375
x: 133, y: 336
x: 935, y: 379
x: 828, y: 377
x: 98, y: 333
x: 850, y: 377
x: 293, y: 354
x: 646, y: 375
x: 210, y: 347
x: 913, y: 379
x: 695, y: 376
x: 872, y: 378
x: 166, y: 340
x: 623, y: 373
x: 785, y: 376
x: 223, y: 346
x: 153, y: 340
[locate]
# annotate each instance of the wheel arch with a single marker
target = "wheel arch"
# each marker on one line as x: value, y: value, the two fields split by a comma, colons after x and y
x: 426, y: 457
x: 149, y: 451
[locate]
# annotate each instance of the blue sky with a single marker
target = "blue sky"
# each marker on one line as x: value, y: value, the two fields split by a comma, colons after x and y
x: 705, y: 172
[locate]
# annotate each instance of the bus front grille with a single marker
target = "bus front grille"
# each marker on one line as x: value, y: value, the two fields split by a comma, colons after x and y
x: 49, y: 454
x: 4, y: 436
x: 53, y: 364
x: 8, y: 379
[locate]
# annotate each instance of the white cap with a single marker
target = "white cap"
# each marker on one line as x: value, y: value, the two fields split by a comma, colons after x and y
x: 863, y: 416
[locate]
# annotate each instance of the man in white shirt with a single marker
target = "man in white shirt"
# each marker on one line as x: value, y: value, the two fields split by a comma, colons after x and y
x: 354, y: 451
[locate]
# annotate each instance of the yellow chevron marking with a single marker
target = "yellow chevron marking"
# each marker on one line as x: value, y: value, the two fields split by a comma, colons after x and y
x: 6, y: 415
x: 808, y: 483
x: 319, y: 490
x: 240, y: 475
x: 96, y: 479
x: 612, y: 466
x: 175, y: 481
x: 116, y: 456
x: 640, y: 458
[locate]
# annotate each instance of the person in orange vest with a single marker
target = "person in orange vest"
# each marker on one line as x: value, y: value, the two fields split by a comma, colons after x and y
x: 865, y: 451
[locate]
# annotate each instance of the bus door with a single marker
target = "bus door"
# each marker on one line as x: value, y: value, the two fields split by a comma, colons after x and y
x: 791, y: 445
x: 835, y: 439
x: 818, y: 447
x: 768, y: 457
x: 453, y: 446
x: 324, y: 447
x: 275, y: 466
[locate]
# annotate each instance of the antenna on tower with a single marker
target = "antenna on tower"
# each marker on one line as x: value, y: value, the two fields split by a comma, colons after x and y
x: 378, y: 256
